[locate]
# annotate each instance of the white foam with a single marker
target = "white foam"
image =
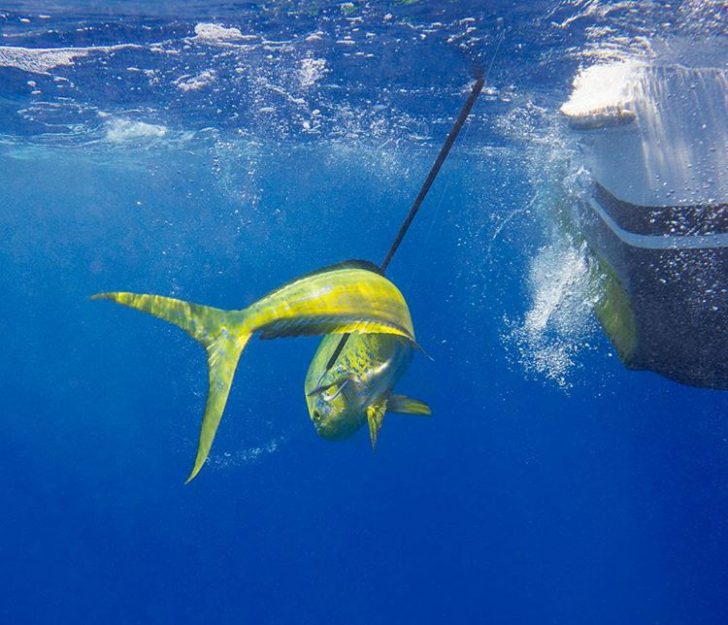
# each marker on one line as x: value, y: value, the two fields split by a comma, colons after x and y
x: 559, y: 322
x: 311, y: 71
x: 42, y: 60
x: 38, y: 60
x: 217, y: 33
x: 194, y: 83
x: 602, y: 87
x: 123, y: 130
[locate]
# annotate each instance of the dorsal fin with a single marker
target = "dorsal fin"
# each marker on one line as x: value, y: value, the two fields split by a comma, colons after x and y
x: 354, y: 263
x: 366, y: 265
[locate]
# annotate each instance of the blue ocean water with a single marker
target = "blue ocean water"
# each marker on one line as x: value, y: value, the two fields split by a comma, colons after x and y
x: 210, y: 152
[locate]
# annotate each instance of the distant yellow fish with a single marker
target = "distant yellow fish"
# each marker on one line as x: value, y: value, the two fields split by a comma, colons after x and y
x: 351, y: 297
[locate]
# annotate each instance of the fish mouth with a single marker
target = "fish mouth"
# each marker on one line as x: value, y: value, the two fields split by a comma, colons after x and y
x: 323, y: 428
x: 334, y: 429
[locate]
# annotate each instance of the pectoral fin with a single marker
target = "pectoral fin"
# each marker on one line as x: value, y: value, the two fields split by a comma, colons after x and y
x: 375, y: 416
x: 406, y: 405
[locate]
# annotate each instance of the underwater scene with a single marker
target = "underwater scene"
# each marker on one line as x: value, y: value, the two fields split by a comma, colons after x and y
x: 431, y: 312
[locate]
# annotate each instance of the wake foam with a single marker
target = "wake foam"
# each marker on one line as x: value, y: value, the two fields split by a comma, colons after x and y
x: 43, y: 60
x: 311, y: 71
x: 196, y: 82
x: 123, y: 130
x: 559, y: 321
x: 211, y: 33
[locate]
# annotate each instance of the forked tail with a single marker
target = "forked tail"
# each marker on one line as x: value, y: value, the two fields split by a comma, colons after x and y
x: 224, y: 335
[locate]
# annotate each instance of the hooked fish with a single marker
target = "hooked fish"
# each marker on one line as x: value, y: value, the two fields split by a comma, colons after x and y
x: 351, y: 297
x: 357, y: 388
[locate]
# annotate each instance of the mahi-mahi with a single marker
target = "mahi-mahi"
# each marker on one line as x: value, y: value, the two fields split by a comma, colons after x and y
x: 351, y: 297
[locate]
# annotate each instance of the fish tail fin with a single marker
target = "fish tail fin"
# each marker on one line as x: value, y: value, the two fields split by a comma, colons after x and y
x: 224, y: 334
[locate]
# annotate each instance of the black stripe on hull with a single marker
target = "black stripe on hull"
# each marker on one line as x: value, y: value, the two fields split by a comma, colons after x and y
x: 695, y: 220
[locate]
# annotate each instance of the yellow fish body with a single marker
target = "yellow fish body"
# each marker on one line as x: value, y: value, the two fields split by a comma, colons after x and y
x: 351, y: 297
x: 357, y: 387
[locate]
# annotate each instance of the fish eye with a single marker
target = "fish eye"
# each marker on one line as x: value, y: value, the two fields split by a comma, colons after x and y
x: 333, y: 391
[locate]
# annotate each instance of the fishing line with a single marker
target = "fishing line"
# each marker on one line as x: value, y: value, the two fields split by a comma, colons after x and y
x: 443, y: 195
x: 442, y: 155
x: 434, y: 170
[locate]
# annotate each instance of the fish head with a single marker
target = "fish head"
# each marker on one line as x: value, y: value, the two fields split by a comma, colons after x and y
x: 334, y: 409
x: 366, y: 369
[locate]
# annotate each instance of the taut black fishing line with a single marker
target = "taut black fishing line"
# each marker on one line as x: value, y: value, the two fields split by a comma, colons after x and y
x: 444, y: 150
x: 477, y: 71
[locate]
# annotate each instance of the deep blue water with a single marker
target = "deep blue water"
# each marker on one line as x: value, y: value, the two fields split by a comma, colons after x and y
x: 551, y: 484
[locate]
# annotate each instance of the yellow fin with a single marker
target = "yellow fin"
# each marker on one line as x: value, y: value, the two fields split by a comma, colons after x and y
x: 375, y: 416
x: 406, y: 405
x: 224, y: 336
x: 222, y: 360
